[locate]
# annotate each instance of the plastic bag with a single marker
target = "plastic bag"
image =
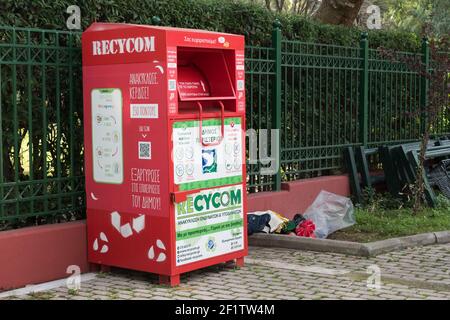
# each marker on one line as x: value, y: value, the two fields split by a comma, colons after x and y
x: 330, y: 212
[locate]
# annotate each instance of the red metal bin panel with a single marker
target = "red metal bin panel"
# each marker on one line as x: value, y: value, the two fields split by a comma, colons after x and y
x: 130, y: 76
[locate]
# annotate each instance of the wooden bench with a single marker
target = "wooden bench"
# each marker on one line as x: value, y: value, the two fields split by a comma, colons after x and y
x: 398, y: 167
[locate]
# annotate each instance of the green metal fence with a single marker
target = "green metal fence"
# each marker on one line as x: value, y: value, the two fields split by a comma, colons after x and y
x: 320, y: 86
x: 40, y: 126
x: 320, y: 97
x: 442, y: 123
x: 260, y: 73
x: 394, y: 93
x: 334, y: 96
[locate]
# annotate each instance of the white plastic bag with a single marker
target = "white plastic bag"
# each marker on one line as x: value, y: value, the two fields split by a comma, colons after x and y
x: 330, y: 212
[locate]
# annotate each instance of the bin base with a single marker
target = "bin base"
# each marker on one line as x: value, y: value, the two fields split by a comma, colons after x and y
x: 169, y: 280
x: 105, y: 268
x: 240, y: 262
x: 97, y: 267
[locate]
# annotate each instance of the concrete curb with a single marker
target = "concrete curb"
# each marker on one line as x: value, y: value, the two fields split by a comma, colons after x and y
x: 442, y: 236
x: 370, y: 249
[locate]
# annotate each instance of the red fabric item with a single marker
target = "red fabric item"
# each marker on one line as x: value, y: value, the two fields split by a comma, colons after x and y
x: 306, y: 229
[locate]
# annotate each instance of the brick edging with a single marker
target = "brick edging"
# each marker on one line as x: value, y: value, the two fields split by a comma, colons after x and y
x: 369, y: 249
x: 39, y: 254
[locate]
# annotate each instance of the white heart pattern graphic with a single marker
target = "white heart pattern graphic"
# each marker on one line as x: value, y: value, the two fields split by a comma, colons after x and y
x: 161, y: 256
x: 104, y: 240
x: 126, y: 230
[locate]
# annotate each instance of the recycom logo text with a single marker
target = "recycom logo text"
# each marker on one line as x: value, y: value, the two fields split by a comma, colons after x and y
x: 206, y: 202
x: 120, y: 46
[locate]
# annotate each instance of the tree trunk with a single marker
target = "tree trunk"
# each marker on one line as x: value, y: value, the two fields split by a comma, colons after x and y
x: 280, y: 5
x: 343, y: 12
x: 294, y: 6
x: 419, y: 186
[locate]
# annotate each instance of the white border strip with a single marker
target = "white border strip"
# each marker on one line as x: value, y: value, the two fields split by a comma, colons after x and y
x: 44, y: 286
x: 294, y: 267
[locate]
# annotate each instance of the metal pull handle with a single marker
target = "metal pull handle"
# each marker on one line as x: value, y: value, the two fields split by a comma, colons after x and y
x: 222, y: 117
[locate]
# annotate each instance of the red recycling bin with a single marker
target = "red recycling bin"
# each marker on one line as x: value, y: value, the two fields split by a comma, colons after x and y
x: 164, y: 130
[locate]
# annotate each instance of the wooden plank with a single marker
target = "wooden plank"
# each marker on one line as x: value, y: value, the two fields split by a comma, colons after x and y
x: 350, y: 163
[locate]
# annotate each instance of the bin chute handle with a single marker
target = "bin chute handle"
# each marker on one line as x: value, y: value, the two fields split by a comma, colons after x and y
x: 222, y: 116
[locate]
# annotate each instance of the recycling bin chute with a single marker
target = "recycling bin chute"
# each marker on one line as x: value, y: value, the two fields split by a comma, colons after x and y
x: 164, y: 131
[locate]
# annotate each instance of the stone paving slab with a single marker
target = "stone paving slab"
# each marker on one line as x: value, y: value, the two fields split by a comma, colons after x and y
x: 427, y: 263
x: 274, y: 273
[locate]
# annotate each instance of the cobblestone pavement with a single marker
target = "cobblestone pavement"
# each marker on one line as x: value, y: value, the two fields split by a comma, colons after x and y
x: 272, y: 273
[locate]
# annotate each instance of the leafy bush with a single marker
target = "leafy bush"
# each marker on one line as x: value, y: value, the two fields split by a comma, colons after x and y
x: 234, y: 16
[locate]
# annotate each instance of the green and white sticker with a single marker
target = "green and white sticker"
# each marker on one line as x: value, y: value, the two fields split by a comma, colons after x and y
x: 198, y: 166
x: 209, y: 223
x: 107, y: 149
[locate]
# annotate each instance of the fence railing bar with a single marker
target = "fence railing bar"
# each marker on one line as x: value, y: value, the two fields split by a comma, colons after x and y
x: 71, y: 120
x: 15, y: 122
x: 30, y: 124
x: 44, y: 123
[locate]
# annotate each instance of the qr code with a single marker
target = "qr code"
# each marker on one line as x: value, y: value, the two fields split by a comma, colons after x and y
x: 172, y: 85
x: 145, y: 150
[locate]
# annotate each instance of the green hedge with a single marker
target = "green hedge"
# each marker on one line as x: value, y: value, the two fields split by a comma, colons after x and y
x: 235, y: 16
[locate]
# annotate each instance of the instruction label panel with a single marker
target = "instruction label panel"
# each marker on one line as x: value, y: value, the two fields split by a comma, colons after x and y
x: 107, y: 135
x: 209, y: 224
x: 199, y: 166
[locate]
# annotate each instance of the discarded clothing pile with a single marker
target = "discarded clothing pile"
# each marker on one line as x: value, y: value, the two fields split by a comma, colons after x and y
x: 300, y: 226
x: 272, y: 222
x: 328, y: 213
x: 265, y: 221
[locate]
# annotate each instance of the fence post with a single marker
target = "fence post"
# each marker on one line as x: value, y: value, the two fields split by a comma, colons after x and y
x: 276, y: 96
x: 424, y: 83
x: 364, y: 91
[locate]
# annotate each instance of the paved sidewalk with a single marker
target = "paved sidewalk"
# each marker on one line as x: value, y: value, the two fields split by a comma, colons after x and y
x: 271, y: 273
